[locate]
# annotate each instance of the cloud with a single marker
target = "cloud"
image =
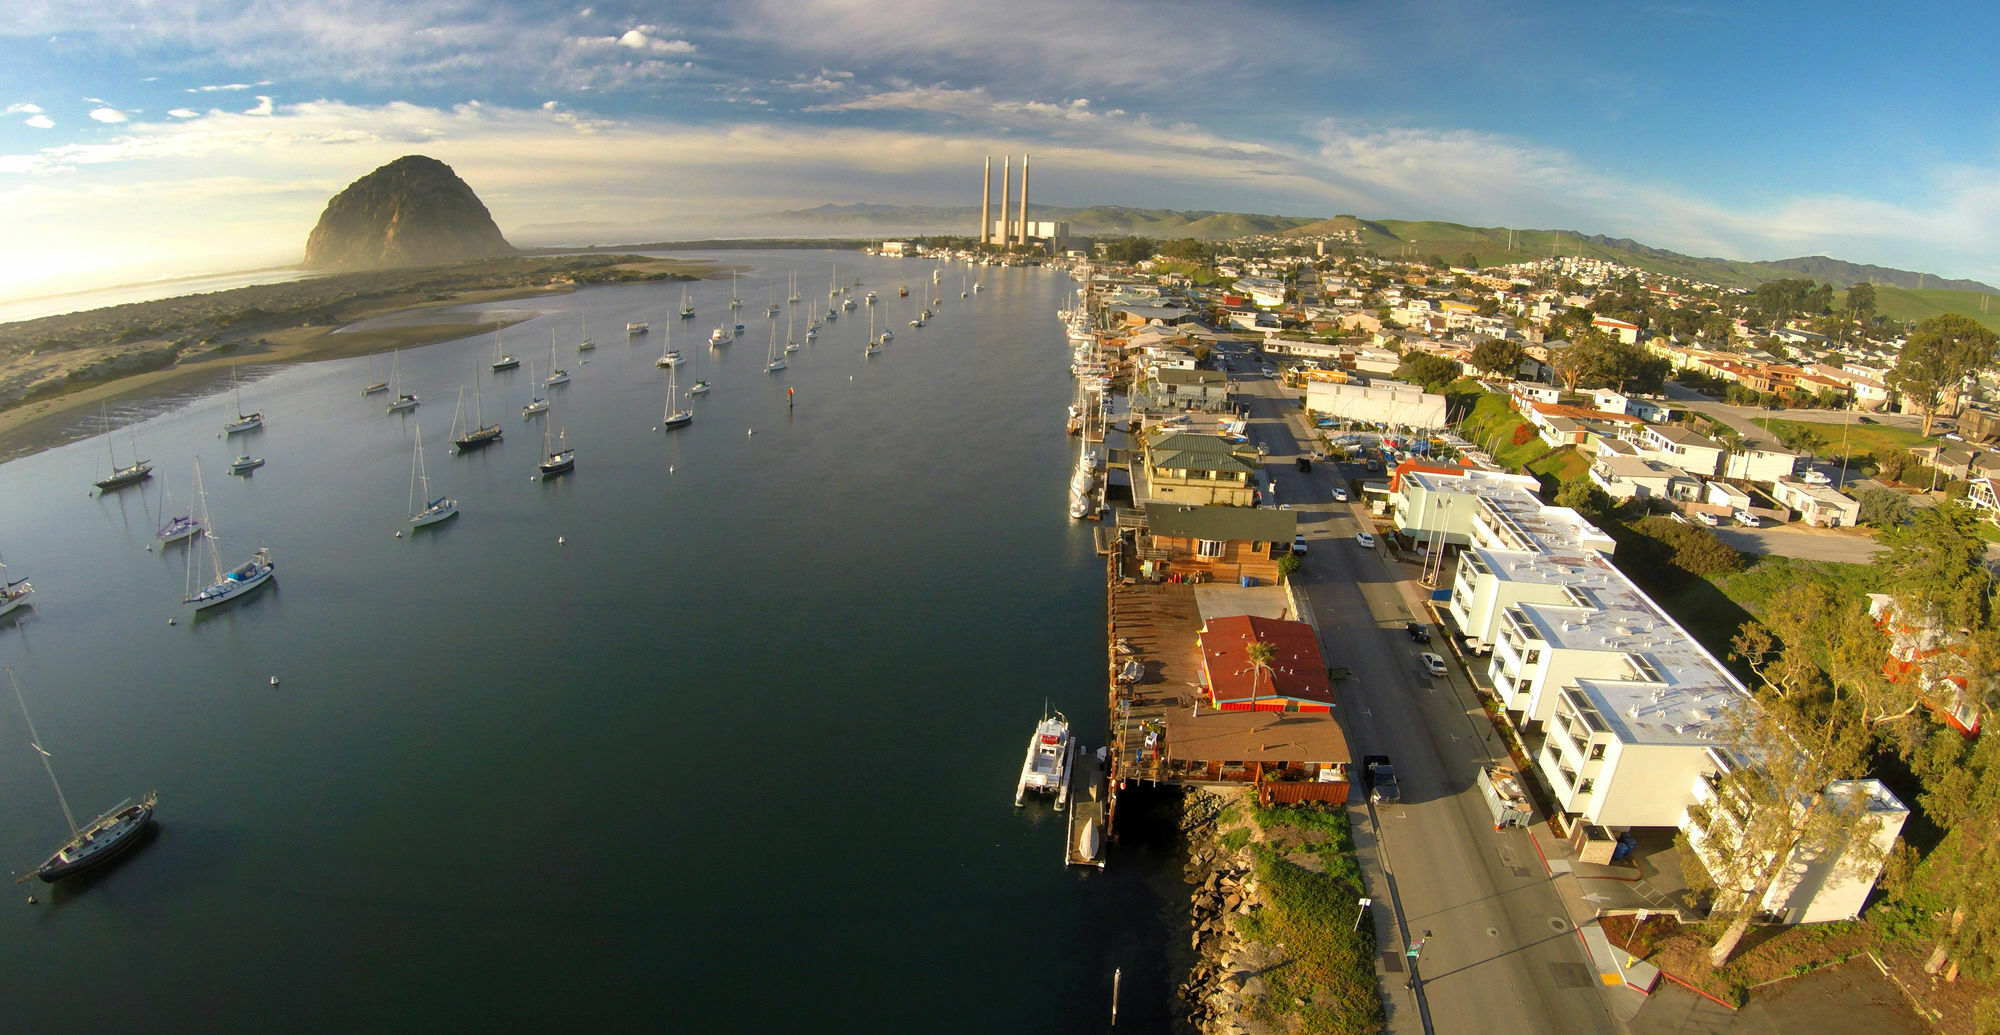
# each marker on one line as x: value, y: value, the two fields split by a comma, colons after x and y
x: 217, y: 88
x: 183, y: 113
x: 40, y: 122
x: 642, y: 38
x: 263, y: 106
x: 24, y: 108
x: 111, y: 115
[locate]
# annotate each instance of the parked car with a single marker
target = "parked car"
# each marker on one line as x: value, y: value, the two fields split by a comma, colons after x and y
x: 1305, y: 463
x: 1339, y: 494
x: 1744, y: 517
x: 1366, y: 539
x: 1381, y: 780
x: 1433, y: 663
x: 1418, y: 631
x: 1707, y: 518
x: 1299, y: 543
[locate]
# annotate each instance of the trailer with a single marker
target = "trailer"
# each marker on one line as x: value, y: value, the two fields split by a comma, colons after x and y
x: 1504, y: 798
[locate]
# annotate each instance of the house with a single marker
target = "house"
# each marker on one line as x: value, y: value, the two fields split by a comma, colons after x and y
x: 1696, y: 454
x: 1185, y: 467
x: 1924, y: 650
x: 1637, y: 477
x: 1819, y: 505
x: 1295, y: 680
x: 1228, y: 543
x: 1623, y: 330
x: 1379, y: 402
x: 1288, y: 757
x: 1760, y: 462
x: 1188, y: 388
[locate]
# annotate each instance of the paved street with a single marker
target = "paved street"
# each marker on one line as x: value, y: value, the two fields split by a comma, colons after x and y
x: 1501, y: 955
x: 1805, y: 545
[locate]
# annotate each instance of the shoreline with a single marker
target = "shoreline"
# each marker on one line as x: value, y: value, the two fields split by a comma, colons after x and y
x: 48, y: 421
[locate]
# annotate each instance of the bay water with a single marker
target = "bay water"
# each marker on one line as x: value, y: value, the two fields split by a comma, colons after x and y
x: 719, y: 732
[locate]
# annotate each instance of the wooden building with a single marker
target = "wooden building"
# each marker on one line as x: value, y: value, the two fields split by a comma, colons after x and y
x: 1225, y: 543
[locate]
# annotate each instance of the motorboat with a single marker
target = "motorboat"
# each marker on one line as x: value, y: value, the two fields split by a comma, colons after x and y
x: 245, y: 463
x: 1046, y: 769
x: 636, y: 327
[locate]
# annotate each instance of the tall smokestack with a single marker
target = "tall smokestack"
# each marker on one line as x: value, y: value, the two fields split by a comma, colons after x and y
x: 1006, y: 188
x: 986, y: 204
x: 1024, y: 199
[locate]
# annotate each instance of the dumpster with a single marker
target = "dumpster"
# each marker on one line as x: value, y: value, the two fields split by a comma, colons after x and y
x: 1504, y: 798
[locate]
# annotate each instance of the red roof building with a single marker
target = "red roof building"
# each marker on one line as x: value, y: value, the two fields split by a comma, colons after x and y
x: 1296, y: 680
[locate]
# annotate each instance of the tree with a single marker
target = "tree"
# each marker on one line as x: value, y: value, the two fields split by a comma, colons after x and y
x: 1498, y: 356
x: 1129, y: 250
x: 1861, y: 303
x: 1883, y: 508
x: 1433, y: 372
x: 1260, y: 655
x: 1943, y: 351
x: 1468, y: 261
x: 1962, y: 875
x: 1571, y: 363
x: 1585, y: 497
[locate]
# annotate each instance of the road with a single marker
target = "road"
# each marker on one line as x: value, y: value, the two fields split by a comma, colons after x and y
x: 1739, y: 417
x: 1500, y: 954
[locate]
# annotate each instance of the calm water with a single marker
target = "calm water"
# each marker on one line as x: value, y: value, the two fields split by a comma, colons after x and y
x: 737, y: 754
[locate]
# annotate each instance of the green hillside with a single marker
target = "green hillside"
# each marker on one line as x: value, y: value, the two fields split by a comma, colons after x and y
x: 1909, y: 304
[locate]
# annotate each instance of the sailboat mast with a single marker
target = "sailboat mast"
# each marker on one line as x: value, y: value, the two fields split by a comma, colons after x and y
x: 35, y: 741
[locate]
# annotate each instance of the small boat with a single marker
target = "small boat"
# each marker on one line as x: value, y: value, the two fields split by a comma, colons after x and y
x: 847, y: 304
x: 734, y: 302
x: 870, y: 298
x: 123, y: 476
x: 791, y: 343
x: 637, y: 327
x: 404, y: 401
x: 887, y: 336
x: 557, y: 375
x: 97, y: 842
x: 774, y: 357
x: 373, y: 387
x: 501, y: 360
x: 235, y: 582
x: 480, y: 434
x: 557, y: 460
x: 1046, y: 769
x: 245, y: 464
x: 721, y: 336
x: 584, y: 344
x: 437, y: 509
x: 687, y: 307
x: 832, y: 314
x: 699, y: 387
x: 536, y: 403
x: 795, y: 288
x: 13, y: 592
x: 673, y: 418
x: 243, y: 421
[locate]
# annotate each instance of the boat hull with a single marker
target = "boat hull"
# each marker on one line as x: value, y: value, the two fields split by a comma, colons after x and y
x: 133, y: 475
x: 678, y: 420
x: 441, y: 511
x: 242, y: 424
x: 113, y: 835
x: 510, y: 363
x: 479, y: 439
x: 235, y: 585
x: 558, y: 465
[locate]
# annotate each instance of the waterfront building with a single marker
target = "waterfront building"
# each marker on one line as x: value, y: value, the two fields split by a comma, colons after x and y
x: 1225, y: 543
x: 1295, y: 680
x: 1185, y: 467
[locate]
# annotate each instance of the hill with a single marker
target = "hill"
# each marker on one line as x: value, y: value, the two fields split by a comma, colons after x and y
x: 1910, y: 305
x: 1094, y: 221
x: 414, y: 211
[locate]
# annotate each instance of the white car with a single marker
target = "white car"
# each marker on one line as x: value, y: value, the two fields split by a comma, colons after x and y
x: 1299, y: 543
x: 1707, y: 518
x: 1744, y: 517
x: 1432, y: 663
x: 1339, y: 494
x: 1366, y: 539
x: 1816, y: 478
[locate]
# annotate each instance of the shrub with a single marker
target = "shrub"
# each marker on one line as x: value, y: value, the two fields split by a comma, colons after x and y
x: 1691, y: 548
x: 1883, y: 508
x: 1522, y: 433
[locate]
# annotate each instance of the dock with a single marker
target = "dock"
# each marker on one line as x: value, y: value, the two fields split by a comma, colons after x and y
x: 1088, y: 811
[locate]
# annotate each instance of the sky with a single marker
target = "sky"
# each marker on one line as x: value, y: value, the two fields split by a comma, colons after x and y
x: 150, y: 138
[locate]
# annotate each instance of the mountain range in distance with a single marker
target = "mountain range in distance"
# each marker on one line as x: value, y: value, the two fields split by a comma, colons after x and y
x: 1385, y: 237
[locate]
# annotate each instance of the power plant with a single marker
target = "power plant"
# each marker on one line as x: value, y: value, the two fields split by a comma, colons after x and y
x: 1013, y: 229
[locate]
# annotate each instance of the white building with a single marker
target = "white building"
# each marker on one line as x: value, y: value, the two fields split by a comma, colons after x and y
x: 1426, y: 505
x: 1637, y: 477
x: 1380, y: 402
x: 1693, y: 453
x: 1820, y: 505
x: 1760, y: 463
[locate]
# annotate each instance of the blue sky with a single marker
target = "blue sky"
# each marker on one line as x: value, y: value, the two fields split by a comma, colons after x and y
x: 143, y: 137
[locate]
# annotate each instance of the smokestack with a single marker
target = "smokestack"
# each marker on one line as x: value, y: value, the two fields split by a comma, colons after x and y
x: 986, y: 204
x: 1006, y: 188
x: 1024, y: 199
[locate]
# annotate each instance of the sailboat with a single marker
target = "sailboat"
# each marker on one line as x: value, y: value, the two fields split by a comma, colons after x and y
x: 404, y: 401
x: 635, y: 327
x: 437, y: 509
x: 235, y: 582
x: 123, y: 476
x: 774, y: 359
x: 178, y: 528
x: 734, y: 302
x: 557, y: 375
x: 675, y: 418
x: 373, y: 386
x: 101, y: 840
x: 536, y: 403
x: 501, y: 360
x: 585, y: 344
x: 13, y: 592
x: 700, y: 385
x: 669, y: 356
x: 874, y: 344
x: 795, y: 287
x: 243, y: 421
x: 480, y: 434
x: 772, y: 308
x: 687, y: 307
x: 558, y: 459
x: 791, y: 343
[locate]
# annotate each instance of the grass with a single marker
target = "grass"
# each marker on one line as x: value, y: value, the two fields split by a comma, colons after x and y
x: 1327, y: 984
x: 1492, y: 422
x: 1860, y: 438
x: 1769, y: 953
x: 1899, y: 303
x: 1565, y: 465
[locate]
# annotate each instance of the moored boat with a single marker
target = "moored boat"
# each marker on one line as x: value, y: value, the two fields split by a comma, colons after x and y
x: 101, y: 840
x: 245, y: 464
x: 1046, y: 768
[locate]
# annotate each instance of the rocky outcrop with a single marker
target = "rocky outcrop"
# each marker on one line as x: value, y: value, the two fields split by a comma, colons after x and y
x: 1224, y: 981
x: 415, y: 211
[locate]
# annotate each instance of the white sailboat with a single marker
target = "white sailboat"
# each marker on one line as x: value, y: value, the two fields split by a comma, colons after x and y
x: 227, y: 585
x: 179, y: 527
x: 373, y: 386
x: 404, y: 401
x: 700, y: 385
x: 791, y: 343
x: 734, y: 302
x: 673, y: 418
x: 557, y: 375
x: 584, y: 344
x: 243, y: 421
x: 774, y: 358
x: 537, y: 403
x: 687, y: 307
x: 771, y: 308
x: 874, y: 344
x: 795, y: 287
x: 435, y: 510
x: 669, y: 356
x: 13, y: 592
x: 501, y: 360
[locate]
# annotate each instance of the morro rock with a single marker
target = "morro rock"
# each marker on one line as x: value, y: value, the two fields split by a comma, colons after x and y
x: 412, y: 212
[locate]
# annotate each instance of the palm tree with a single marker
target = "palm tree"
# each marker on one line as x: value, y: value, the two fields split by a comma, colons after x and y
x: 1261, y: 654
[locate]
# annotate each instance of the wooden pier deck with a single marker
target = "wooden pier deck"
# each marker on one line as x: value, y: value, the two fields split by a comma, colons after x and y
x: 1160, y: 622
x: 1088, y: 803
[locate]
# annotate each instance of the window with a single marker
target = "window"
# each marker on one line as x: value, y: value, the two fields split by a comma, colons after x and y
x: 1210, y: 548
x: 1585, y: 786
x: 1597, y: 752
x: 1533, y: 656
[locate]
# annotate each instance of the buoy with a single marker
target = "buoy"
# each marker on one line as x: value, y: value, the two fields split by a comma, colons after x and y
x: 399, y: 534
x: 670, y: 468
x: 274, y: 680
x: 750, y: 431
x: 173, y: 621
x: 560, y: 540
x: 31, y: 900
x: 149, y: 548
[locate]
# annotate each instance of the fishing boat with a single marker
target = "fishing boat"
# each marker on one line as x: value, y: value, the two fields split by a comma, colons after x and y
x: 479, y: 434
x: 13, y: 592
x: 178, y: 528
x: 228, y: 585
x: 557, y: 375
x: 673, y: 418
x: 123, y: 476
x: 584, y: 344
x: 536, y: 403
x: 1046, y: 769
x: 687, y: 307
x: 243, y: 421
x: 636, y: 327
x: 97, y: 842
x: 373, y: 387
x: 437, y: 509
x: 404, y: 401
x: 774, y: 358
x: 558, y: 459
x: 501, y: 360
x: 245, y: 464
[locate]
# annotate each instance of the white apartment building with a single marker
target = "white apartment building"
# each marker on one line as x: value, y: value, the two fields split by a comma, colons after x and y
x: 1760, y: 463
x: 1426, y: 505
x: 1384, y: 402
x: 1691, y: 452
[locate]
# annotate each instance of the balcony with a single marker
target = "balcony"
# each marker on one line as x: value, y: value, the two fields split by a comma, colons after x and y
x: 1507, y: 654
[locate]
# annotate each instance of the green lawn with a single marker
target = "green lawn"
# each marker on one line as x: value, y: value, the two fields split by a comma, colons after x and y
x: 1492, y: 423
x: 1899, y: 303
x: 1860, y: 438
x: 1565, y: 465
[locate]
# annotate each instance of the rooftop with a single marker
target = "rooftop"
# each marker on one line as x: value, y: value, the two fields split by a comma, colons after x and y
x: 1220, y: 524
x: 1205, y: 735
